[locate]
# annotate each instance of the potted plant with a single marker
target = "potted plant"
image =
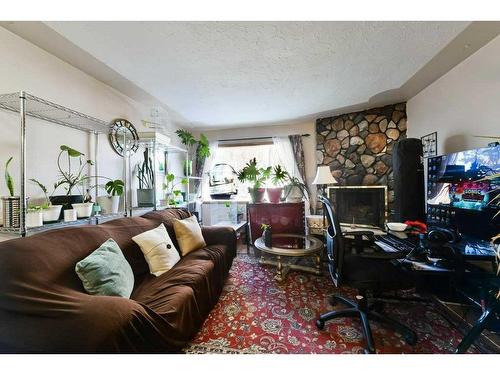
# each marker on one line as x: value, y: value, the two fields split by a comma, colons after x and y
x: 188, y: 140
x: 70, y: 178
x: 110, y: 203
x: 295, y: 190
x: 34, y: 217
x: 10, y: 204
x: 278, y: 178
x: 172, y: 193
x: 50, y: 212
x: 146, y: 177
x: 267, y: 234
x: 257, y: 177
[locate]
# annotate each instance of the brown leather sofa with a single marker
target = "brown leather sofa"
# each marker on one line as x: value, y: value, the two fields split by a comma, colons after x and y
x: 44, y: 308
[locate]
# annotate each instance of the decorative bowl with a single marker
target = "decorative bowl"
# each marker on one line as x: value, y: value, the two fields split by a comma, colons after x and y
x: 397, y: 227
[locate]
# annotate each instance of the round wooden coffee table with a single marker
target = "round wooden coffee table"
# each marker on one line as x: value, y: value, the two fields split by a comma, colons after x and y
x: 294, y: 246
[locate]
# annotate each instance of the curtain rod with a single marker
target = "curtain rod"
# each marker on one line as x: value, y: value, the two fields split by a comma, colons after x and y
x: 253, y: 138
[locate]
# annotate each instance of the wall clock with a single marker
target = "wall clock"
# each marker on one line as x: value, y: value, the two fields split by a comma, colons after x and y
x: 123, y: 136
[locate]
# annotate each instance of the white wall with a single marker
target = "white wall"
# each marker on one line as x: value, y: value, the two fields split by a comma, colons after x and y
x: 23, y: 66
x: 461, y: 104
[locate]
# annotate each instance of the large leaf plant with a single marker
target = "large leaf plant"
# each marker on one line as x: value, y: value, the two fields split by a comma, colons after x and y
x: 254, y: 175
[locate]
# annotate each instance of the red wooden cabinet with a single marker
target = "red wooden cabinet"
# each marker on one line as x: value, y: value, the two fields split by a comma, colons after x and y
x: 282, y: 217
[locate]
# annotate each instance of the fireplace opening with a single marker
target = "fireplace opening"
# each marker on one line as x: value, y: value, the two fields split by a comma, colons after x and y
x: 360, y: 205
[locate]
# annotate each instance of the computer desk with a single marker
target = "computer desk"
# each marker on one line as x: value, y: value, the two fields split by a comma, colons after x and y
x: 465, y: 273
x: 477, y: 285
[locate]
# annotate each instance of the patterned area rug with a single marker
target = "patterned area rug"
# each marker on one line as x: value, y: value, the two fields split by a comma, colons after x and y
x: 256, y: 314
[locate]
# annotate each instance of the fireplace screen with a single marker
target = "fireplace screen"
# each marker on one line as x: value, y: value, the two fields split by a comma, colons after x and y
x: 362, y: 205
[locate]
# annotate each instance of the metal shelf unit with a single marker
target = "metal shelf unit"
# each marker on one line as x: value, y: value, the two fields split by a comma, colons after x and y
x: 30, y: 106
x: 160, y: 142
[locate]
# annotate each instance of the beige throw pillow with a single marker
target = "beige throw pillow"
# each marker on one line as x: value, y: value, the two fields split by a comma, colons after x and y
x: 188, y: 235
x: 158, y: 249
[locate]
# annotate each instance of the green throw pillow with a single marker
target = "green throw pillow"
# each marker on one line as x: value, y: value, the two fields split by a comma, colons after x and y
x: 106, y: 272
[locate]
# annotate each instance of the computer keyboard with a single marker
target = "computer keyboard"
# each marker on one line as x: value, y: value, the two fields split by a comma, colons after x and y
x: 392, y: 243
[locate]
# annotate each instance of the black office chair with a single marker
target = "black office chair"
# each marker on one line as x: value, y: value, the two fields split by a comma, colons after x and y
x: 364, y: 271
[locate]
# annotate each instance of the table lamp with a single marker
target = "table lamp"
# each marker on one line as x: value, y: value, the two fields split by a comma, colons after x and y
x: 323, y: 178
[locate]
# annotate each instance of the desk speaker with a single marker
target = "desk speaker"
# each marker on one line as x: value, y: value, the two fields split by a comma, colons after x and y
x: 409, y: 190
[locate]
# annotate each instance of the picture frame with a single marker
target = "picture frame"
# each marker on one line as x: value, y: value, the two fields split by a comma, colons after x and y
x: 429, y: 144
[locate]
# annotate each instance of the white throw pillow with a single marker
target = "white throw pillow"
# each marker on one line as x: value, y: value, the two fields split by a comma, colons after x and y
x: 158, y: 249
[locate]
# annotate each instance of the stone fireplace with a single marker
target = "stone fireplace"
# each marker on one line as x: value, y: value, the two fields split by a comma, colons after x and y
x: 358, y: 146
x: 360, y: 205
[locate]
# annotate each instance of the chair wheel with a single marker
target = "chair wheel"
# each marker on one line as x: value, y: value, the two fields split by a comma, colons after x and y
x: 368, y: 351
x: 411, y: 339
x: 320, y: 324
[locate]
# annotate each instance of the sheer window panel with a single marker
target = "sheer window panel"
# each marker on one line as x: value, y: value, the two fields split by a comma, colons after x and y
x: 238, y: 156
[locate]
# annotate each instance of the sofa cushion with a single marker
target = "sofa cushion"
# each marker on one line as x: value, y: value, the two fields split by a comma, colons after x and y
x: 106, y: 272
x: 158, y: 249
x: 188, y: 234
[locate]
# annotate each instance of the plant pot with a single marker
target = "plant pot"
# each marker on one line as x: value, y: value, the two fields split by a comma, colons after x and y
x: 145, y: 197
x: 274, y: 194
x: 52, y: 213
x: 109, y: 204
x: 66, y: 201
x: 293, y: 194
x: 83, y: 209
x: 257, y: 195
x: 10, y: 211
x: 268, y: 240
x: 188, y: 167
x: 34, y: 218
x: 70, y: 215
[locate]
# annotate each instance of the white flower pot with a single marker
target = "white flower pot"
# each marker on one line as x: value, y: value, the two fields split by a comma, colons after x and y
x: 83, y: 209
x: 34, y: 219
x: 70, y: 215
x: 109, y: 205
x: 51, y: 213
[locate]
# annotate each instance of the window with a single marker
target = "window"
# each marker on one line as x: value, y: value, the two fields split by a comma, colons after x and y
x: 237, y: 156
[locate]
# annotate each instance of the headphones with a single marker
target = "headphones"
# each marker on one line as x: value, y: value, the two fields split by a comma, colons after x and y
x: 442, y: 236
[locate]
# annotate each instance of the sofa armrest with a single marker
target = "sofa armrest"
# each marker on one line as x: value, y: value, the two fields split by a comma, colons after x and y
x: 219, y: 236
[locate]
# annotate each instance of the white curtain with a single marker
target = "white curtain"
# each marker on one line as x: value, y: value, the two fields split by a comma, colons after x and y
x: 214, y: 145
x: 284, y: 149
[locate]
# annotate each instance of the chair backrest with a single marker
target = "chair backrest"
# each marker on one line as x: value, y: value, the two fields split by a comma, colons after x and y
x: 335, y: 246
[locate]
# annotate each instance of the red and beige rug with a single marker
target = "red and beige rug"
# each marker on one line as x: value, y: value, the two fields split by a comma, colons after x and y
x: 256, y: 314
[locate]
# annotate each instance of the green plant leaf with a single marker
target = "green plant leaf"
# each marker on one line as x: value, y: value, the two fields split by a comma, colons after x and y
x: 114, y: 187
x: 204, y: 148
x: 8, y: 178
x: 186, y: 137
x: 71, y: 151
x: 279, y: 175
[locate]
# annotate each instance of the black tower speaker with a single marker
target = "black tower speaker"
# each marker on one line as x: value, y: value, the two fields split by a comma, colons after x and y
x: 409, y: 190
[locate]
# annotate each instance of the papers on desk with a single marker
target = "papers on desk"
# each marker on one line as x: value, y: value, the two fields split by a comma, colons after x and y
x: 387, y: 248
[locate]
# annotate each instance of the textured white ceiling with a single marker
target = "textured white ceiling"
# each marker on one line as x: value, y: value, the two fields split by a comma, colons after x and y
x: 218, y: 74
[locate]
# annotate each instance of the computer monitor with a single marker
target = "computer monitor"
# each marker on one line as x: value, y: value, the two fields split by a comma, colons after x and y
x: 463, y: 191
